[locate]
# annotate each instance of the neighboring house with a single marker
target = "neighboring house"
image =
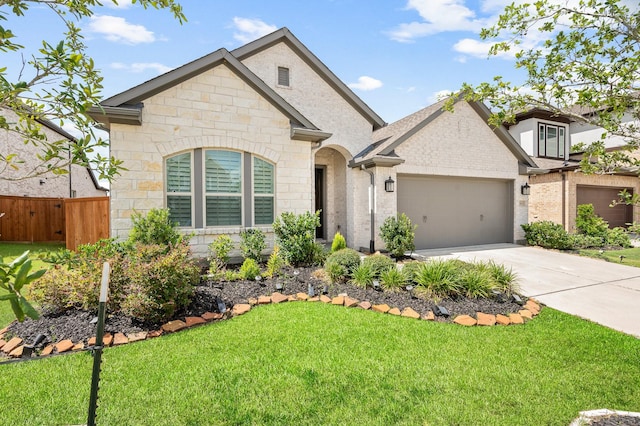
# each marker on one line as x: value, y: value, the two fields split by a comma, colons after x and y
x: 233, y: 139
x: 559, y: 186
x: 78, y: 183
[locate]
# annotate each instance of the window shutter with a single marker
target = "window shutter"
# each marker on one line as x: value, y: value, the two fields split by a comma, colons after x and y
x: 263, y: 190
x: 283, y: 76
x: 179, y: 209
x: 179, y: 173
x: 223, y: 172
x: 224, y: 211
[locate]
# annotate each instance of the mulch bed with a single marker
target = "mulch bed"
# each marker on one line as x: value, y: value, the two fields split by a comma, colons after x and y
x: 78, y: 326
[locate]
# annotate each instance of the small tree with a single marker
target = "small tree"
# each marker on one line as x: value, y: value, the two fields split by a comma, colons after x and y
x: 252, y: 244
x: 398, y: 235
x: 296, y: 236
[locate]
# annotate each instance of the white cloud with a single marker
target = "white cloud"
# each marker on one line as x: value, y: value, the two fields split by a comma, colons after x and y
x: 117, y: 29
x: 366, y: 83
x: 251, y: 29
x: 439, y: 95
x: 138, y: 67
x: 439, y: 16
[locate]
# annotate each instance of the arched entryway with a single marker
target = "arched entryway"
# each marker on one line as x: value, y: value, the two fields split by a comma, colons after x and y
x: 330, y: 195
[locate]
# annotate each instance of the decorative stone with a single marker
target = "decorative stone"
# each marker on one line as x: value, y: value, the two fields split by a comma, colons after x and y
x: 264, y: 300
x: 364, y: 305
x: 394, y: 311
x: 173, y: 326
x: 486, y: 319
x: 302, y: 296
x: 191, y: 321
x: 17, y: 352
x: 325, y: 299
x: 154, y: 333
x: 136, y: 337
x: 502, y: 319
x: 64, y: 346
x: 47, y: 350
x: 78, y: 347
x: 279, y: 298
x: 384, y: 308
x: 516, y: 319
x: 292, y: 298
x: 532, y: 306
x: 241, y: 309
x: 4, y: 330
x: 429, y: 316
x: 314, y: 299
x: 350, y: 302
x: 212, y: 316
x: 121, y: 339
x: 253, y: 301
x: 338, y: 300
x: 410, y: 313
x: 525, y: 314
x: 465, y: 320
x: 107, y: 339
x: 11, y: 345
x: 2, y: 343
x: 91, y: 341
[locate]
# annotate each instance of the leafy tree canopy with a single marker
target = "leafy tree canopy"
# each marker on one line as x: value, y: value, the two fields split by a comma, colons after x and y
x: 58, y: 83
x: 587, y: 68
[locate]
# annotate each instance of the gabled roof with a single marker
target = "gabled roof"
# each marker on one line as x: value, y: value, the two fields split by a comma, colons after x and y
x: 126, y: 107
x: 284, y: 35
x: 388, y: 138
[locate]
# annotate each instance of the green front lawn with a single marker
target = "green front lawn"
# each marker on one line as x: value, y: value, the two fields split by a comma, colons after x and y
x: 631, y: 255
x: 8, y: 252
x: 308, y: 363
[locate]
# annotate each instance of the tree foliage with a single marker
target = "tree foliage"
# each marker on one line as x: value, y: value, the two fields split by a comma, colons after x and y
x: 58, y: 83
x: 587, y: 68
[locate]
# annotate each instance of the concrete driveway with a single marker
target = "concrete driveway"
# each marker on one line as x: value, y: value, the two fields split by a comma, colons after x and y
x: 603, y: 292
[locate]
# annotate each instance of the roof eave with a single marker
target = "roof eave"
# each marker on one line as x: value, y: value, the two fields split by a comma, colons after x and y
x: 107, y: 115
x: 309, y: 135
x: 377, y: 161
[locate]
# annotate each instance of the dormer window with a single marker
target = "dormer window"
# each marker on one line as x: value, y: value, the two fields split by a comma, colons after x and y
x: 283, y: 76
x: 551, y: 141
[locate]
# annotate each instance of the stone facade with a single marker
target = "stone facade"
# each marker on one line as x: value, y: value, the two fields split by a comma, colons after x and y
x: 77, y: 183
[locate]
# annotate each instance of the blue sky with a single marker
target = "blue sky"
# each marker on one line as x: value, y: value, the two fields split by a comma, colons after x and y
x: 397, y: 55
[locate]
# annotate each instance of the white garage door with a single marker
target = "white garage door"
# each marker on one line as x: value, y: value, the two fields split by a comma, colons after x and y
x: 453, y: 212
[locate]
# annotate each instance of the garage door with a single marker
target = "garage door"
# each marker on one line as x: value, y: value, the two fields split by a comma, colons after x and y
x: 601, y: 198
x: 452, y: 212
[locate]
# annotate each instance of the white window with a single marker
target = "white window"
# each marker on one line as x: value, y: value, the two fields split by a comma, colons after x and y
x: 551, y: 141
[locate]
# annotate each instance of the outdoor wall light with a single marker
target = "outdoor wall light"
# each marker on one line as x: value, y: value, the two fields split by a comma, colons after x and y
x: 312, y: 291
x: 389, y: 185
x: 441, y: 311
x: 376, y: 285
x: 525, y: 189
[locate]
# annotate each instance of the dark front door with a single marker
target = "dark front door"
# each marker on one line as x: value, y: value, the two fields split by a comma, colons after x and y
x: 320, y: 195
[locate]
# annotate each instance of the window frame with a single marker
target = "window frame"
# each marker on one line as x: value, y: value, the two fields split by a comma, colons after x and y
x: 190, y: 194
x: 254, y: 194
x: 206, y: 193
x: 543, y: 140
x: 280, y: 71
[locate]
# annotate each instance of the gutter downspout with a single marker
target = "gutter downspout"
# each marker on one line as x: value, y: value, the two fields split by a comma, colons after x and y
x: 372, y: 203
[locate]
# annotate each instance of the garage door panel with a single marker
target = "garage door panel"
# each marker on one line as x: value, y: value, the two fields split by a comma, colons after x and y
x: 601, y: 198
x: 453, y: 212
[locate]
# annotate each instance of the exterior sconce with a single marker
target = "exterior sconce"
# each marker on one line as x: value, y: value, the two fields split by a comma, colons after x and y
x: 389, y: 185
x: 525, y: 189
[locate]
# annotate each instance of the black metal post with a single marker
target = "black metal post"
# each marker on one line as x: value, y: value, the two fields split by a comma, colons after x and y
x: 97, y: 349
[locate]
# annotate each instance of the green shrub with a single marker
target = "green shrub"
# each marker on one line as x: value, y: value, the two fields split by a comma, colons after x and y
x: 362, y: 275
x: 338, y: 243
x: 348, y: 258
x: 504, y: 279
x: 318, y: 254
x: 296, y: 236
x: 582, y: 241
x: 588, y: 223
x: 393, y: 278
x: 219, y: 250
x: 252, y: 244
x: 275, y: 263
x: 618, y: 237
x: 439, y: 277
x: 336, y: 272
x: 249, y: 269
x: 154, y: 228
x: 398, y: 235
x: 410, y: 268
x: 546, y: 234
x: 147, y: 281
x: 379, y: 263
x: 475, y: 283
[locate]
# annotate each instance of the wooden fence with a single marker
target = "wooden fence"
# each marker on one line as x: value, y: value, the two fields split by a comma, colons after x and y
x: 74, y: 221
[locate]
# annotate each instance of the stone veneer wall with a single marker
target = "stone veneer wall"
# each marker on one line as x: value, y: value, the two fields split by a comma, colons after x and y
x: 213, y: 110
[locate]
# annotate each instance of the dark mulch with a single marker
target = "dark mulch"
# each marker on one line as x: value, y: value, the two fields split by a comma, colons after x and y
x: 78, y: 326
x: 615, y: 420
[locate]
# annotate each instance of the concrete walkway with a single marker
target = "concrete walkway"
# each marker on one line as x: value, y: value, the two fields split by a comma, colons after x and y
x: 603, y: 292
